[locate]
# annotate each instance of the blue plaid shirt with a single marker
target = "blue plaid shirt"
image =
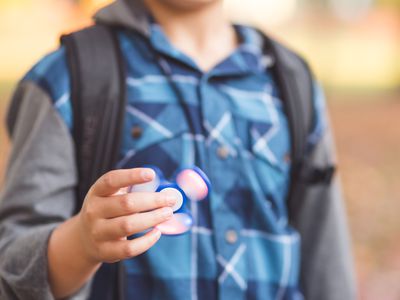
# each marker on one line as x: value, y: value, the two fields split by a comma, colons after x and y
x: 241, y: 246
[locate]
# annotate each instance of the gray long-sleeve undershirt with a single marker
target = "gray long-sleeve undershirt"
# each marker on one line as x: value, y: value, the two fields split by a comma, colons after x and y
x: 38, y: 194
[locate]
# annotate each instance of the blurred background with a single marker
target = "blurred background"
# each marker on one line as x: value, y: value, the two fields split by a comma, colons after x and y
x: 354, y: 49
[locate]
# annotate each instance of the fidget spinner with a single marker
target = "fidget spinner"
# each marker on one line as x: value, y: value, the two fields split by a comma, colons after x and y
x: 189, y: 184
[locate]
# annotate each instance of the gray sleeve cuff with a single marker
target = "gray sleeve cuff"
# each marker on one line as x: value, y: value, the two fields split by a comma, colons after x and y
x: 23, y: 266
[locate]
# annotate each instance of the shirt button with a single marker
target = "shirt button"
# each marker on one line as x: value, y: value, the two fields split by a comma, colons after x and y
x: 231, y: 236
x: 223, y: 152
x: 136, y: 132
x: 287, y: 158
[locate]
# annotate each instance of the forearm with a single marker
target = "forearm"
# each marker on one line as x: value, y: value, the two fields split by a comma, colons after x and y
x: 68, y: 266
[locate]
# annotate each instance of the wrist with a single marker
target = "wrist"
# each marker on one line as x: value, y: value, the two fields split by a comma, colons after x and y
x: 69, y: 266
x: 86, y: 256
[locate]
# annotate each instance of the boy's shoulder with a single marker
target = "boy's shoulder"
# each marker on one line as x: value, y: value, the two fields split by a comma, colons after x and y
x: 51, y: 75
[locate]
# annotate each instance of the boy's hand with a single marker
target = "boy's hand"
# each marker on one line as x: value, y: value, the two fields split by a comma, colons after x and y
x: 109, y: 215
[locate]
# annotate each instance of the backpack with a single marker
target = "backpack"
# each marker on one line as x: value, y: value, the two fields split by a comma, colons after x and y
x: 98, y: 101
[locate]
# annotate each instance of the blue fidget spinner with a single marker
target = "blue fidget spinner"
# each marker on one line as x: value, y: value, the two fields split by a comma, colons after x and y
x: 190, y: 184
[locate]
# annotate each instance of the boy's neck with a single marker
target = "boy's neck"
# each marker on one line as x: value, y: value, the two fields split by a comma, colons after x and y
x: 203, y: 33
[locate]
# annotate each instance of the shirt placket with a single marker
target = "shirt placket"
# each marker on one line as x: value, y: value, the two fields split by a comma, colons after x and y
x: 222, y: 168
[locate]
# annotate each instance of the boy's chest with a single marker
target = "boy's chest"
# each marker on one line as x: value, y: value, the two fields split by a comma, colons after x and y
x: 228, y: 121
x: 233, y: 128
x: 240, y: 141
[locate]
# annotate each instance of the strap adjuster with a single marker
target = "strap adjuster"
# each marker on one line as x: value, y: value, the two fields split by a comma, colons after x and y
x: 317, y: 175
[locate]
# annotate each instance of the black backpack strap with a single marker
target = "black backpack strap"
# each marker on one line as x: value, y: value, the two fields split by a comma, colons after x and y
x: 98, y: 102
x: 295, y: 82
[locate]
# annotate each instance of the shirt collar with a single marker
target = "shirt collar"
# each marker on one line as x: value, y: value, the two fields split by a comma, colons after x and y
x: 247, y: 58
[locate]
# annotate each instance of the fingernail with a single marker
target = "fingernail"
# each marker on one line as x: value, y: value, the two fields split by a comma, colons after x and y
x: 171, y: 200
x: 166, y: 212
x: 147, y: 174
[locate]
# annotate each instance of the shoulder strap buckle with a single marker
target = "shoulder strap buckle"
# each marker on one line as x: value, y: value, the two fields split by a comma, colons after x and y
x: 313, y: 175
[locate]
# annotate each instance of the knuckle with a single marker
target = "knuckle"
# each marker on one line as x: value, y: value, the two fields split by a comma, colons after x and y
x: 126, y: 226
x: 161, y: 214
x: 129, y: 250
x: 90, y: 192
x: 127, y: 203
x: 108, y: 179
x: 160, y: 199
x: 158, y: 216
x: 90, y: 211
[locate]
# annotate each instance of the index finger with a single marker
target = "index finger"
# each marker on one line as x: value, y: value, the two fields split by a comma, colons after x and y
x: 112, y: 181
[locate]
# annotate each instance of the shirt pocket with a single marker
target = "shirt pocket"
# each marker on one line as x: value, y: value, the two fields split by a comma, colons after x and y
x: 153, y: 135
x: 269, y: 144
x: 269, y: 148
x: 260, y: 124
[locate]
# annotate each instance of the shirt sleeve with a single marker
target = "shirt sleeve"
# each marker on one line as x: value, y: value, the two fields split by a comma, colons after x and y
x: 326, y: 262
x: 38, y: 194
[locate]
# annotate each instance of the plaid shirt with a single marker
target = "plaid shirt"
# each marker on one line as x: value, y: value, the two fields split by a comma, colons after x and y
x: 241, y: 246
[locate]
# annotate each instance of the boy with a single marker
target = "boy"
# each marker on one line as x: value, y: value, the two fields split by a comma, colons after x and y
x: 241, y: 245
